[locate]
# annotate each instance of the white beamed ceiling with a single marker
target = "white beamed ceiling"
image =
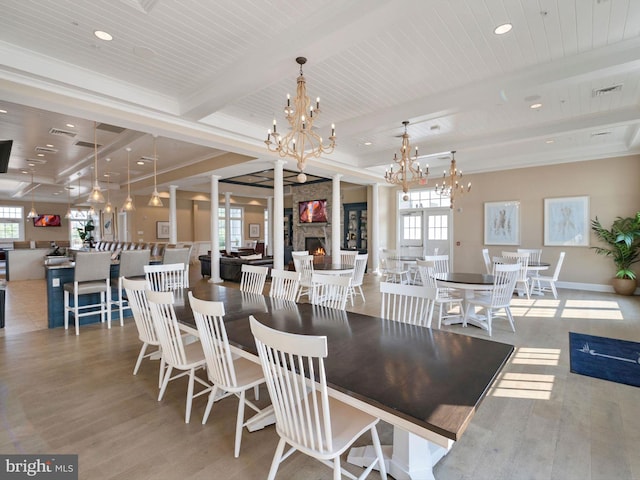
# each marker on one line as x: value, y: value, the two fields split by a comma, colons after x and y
x: 209, y: 77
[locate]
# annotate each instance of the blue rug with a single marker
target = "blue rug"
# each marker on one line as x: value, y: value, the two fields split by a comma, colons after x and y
x: 606, y: 358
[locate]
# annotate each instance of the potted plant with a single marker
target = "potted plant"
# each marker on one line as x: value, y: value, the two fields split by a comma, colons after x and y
x: 85, y: 233
x: 623, y: 240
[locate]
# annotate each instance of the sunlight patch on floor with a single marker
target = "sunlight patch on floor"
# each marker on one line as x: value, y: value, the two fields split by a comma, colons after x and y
x: 536, y: 356
x: 605, y: 304
x: 591, y: 314
x: 524, y: 385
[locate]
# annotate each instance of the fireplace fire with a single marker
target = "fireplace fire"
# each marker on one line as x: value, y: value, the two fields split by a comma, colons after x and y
x: 314, y: 245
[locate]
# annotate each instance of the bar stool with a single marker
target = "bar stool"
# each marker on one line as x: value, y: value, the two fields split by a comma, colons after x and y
x: 91, y: 276
x: 132, y: 264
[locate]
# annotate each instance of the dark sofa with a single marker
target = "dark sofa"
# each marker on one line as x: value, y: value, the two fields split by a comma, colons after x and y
x: 231, y: 267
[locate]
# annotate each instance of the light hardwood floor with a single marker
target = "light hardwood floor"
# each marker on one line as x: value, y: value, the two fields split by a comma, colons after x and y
x: 65, y: 394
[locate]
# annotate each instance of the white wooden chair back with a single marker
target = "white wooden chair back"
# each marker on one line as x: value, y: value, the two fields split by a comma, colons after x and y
x: 410, y: 304
x: 440, y: 263
x: 304, y: 265
x: 425, y: 268
x: 523, y: 261
x: 163, y: 278
x: 348, y: 257
x: 167, y: 329
x: 535, y: 254
x: 284, y: 284
x: 556, y: 272
x: 209, y: 318
x: 504, y: 281
x: 301, y: 405
x: 253, y: 278
x: 140, y: 308
x: 330, y: 290
x: 487, y: 261
x: 359, y: 268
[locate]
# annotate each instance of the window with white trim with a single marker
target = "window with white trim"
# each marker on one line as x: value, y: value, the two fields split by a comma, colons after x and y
x: 422, y: 199
x: 235, y: 235
x: 77, y: 220
x: 11, y: 223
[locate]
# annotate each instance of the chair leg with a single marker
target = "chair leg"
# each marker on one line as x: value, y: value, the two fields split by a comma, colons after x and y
x: 553, y: 289
x: 143, y: 350
x: 275, y: 463
x: 337, y: 471
x: 165, y: 381
x: 378, y: 448
x: 210, y: 402
x: 239, y: 422
x: 510, y: 318
x: 76, y: 311
x: 361, y: 293
x: 187, y: 413
x: 162, y: 369
x: 489, y: 320
x: 256, y: 392
x: 66, y: 310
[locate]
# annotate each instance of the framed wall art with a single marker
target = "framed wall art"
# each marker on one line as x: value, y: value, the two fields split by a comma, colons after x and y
x: 502, y: 223
x: 162, y: 230
x: 254, y: 230
x: 566, y: 221
x: 107, y: 222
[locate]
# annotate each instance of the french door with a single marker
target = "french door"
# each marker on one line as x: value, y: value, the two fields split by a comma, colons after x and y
x: 423, y: 231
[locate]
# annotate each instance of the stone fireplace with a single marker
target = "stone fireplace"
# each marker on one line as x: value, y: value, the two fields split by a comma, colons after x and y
x: 305, y: 232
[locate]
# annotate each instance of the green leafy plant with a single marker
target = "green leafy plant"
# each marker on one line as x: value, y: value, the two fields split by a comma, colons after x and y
x: 85, y: 232
x: 623, y: 240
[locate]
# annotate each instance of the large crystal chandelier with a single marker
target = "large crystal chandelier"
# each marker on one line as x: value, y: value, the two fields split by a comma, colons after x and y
x: 301, y: 143
x: 451, y: 185
x: 408, y: 173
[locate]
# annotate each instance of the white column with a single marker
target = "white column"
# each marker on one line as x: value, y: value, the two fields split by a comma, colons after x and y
x: 227, y: 222
x: 173, y: 218
x: 278, y: 215
x: 335, y: 220
x: 215, y: 237
x: 270, y: 215
x: 373, y: 246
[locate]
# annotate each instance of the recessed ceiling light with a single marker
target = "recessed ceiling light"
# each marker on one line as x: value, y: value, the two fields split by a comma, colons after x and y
x: 140, y: 162
x: 3, y: 111
x: 368, y: 143
x: 535, y: 106
x: 49, y: 145
x: 502, y: 29
x: 40, y: 155
x: 102, y: 35
x: 71, y: 125
x: 549, y: 141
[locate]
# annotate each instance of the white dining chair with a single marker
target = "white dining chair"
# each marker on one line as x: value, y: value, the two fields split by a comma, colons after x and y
x: 447, y: 299
x: 172, y: 256
x: 308, y: 419
x: 284, y: 284
x: 137, y: 301
x: 393, y: 269
x: 91, y: 275
x: 499, y: 298
x: 304, y: 265
x: 253, y: 278
x: 178, y: 355
x: 523, y: 276
x: 226, y: 373
x: 330, y: 290
x: 165, y: 277
x: 359, y: 267
x: 412, y: 304
x: 348, y: 257
x: 550, y: 281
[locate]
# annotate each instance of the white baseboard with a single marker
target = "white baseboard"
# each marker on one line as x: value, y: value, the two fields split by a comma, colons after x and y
x: 592, y: 287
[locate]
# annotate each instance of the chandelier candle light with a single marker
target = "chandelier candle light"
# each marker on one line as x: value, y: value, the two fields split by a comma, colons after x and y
x: 301, y: 143
x: 155, y: 200
x: 128, y: 202
x: 451, y: 186
x: 96, y: 195
x: 409, y: 172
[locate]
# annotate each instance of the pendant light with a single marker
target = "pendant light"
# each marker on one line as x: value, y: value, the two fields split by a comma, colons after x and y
x: 155, y: 200
x: 128, y: 202
x: 68, y: 215
x: 96, y: 195
x: 32, y: 213
x: 108, y: 208
x: 92, y: 211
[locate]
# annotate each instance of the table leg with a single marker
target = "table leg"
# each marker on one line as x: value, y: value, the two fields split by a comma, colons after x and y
x: 409, y: 458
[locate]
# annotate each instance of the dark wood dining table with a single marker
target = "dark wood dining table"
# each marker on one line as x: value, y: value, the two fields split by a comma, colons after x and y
x: 424, y: 381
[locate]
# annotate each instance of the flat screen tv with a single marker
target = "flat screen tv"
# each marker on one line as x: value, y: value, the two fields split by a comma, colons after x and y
x: 47, y: 221
x: 313, y: 211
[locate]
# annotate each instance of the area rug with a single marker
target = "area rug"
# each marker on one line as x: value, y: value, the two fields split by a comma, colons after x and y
x: 606, y: 358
